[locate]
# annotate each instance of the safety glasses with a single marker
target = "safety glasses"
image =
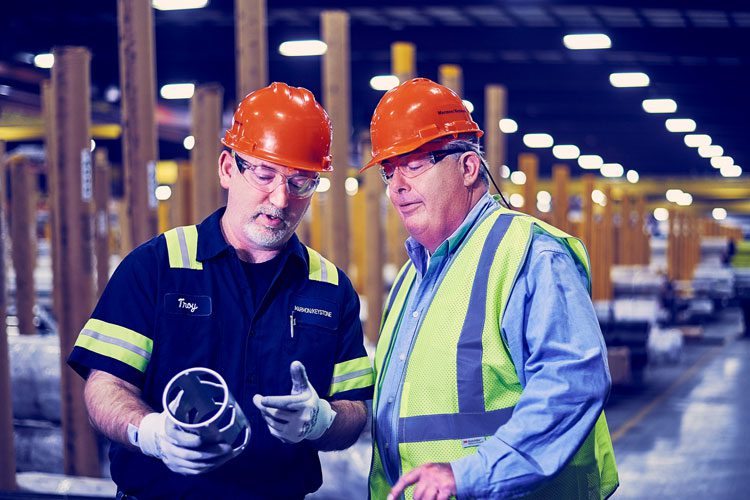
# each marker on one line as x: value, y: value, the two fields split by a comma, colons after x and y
x: 268, y: 178
x: 414, y: 164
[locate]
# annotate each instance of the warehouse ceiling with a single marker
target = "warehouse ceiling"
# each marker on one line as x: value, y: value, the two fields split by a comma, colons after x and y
x: 694, y: 51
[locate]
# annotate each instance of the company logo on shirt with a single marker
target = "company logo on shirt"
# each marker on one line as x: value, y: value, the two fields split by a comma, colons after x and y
x: 312, y: 310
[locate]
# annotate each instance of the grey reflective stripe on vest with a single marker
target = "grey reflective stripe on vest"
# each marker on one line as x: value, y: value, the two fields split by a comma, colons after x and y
x: 183, y: 247
x: 469, y: 352
x: 451, y: 425
x: 349, y: 376
x: 111, y: 340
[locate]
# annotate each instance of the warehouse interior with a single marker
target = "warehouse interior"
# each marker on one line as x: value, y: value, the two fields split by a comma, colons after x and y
x: 621, y: 122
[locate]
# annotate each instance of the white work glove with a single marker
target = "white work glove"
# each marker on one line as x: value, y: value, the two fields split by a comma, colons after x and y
x: 182, y: 452
x: 300, y: 415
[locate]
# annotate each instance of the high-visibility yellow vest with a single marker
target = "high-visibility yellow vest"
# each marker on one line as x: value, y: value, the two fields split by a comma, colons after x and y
x: 460, y: 384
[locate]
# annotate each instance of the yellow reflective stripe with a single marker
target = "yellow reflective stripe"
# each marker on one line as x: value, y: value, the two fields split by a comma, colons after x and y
x: 321, y: 269
x: 362, y: 381
x: 353, y: 365
x: 182, y: 247
x: 116, y: 342
x: 173, y: 249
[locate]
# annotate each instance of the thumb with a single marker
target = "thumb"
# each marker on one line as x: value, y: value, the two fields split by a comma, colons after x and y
x: 299, y: 377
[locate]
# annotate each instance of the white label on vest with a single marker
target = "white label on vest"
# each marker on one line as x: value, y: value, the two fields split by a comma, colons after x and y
x: 469, y: 442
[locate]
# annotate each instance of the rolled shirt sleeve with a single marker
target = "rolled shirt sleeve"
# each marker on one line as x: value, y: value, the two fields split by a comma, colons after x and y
x: 555, y: 341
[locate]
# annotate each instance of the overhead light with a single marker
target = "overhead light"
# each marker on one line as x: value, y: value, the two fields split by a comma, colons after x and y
x: 659, y: 105
x: 719, y: 213
x: 598, y: 197
x: 710, y: 151
x: 351, y: 186
x: 544, y: 197
x: 508, y: 126
x: 5, y: 89
x: 680, y: 124
x: 543, y: 207
x: 673, y: 195
x: 384, y: 82
x: 93, y: 144
x: 538, y: 140
x: 45, y: 61
x: 590, y: 162
x: 188, y: 142
x: 661, y: 214
x: 178, y: 4
x: 163, y: 192
x: 468, y: 105
x: 518, y: 178
x: 720, y: 161
x: 324, y: 185
x: 731, y: 171
x: 177, y: 91
x: 625, y: 80
x: 587, y: 41
x: 297, y: 48
x: 697, y: 140
x: 685, y: 199
x: 516, y: 200
x: 112, y: 94
x: 612, y: 170
x: 566, y: 152
x: 504, y: 171
x: 632, y: 176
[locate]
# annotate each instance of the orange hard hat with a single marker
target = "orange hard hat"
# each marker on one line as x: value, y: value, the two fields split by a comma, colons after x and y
x: 284, y: 125
x: 414, y: 113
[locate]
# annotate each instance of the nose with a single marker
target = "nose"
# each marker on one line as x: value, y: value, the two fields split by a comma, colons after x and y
x: 279, y: 197
x: 398, y: 182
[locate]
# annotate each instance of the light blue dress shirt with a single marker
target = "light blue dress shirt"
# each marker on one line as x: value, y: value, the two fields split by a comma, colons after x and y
x: 556, y: 345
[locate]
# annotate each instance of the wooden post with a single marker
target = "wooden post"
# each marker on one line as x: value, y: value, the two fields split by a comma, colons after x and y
x: 528, y: 163
x: 560, y: 196
x: 48, y: 112
x: 70, y: 80
x: 403, y: 65
x: 672, y: 245
x: 7, y: 446
x: 102, y: 193
x: 374, y: 247
x: 587, y: 209
x: 135, y: 21
x: 205, y: 108
x: 23, y: 234
x: 251, y: 46
x: 182, y: 195
x: 641, y: 233
x: 495, y: 105
x: 451, y: 76
x: 608, y: 247
x: 337, y: 101
x: 357, y: 232
x: 628, y: 241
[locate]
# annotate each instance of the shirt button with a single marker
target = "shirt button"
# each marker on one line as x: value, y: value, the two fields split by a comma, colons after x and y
x: 402, y: 357
x: 415, y: 314
x: 387, y: 446
x: 390, y: 401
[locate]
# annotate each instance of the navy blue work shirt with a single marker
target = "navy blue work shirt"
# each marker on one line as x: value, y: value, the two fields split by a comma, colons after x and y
x: 143, y: 332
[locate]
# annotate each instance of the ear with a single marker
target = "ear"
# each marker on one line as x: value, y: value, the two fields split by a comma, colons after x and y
x: 226, y: 168
x: 470, y: 165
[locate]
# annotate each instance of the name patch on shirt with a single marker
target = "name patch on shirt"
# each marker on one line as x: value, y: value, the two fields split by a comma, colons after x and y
x: 315, y: 311
x: 187, y: 305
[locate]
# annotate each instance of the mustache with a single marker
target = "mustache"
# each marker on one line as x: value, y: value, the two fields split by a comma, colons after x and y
x: 273, y: 212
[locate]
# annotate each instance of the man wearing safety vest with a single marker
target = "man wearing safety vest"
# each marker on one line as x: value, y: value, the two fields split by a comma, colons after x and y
x: 491, y: 370
x: 240, y: 295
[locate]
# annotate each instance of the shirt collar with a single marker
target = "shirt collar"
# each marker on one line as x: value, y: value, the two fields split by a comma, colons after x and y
x: 419, y: 254
x: 211, y: 241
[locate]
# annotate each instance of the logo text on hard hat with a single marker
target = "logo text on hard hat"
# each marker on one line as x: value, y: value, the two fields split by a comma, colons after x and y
x: 450, y: 111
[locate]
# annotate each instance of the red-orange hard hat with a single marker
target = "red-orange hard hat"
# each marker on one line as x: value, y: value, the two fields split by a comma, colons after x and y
x: 283, y: 125
x: 414, y: 113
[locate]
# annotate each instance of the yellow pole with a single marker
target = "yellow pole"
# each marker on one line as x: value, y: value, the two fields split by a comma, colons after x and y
x: 495, y: 105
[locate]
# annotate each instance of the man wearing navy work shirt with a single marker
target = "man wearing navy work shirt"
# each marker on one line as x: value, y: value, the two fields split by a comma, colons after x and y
x: 491, y: 370
x: 238, y: 294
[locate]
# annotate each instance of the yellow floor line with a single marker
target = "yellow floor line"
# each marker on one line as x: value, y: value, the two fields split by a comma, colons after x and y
x: 703, y: 360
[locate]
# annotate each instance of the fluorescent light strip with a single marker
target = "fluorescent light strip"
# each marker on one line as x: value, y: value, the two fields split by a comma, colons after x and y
x: 299, y: 48
x: 659, y: 105
x: 587, y: 41
x: 628, y: 80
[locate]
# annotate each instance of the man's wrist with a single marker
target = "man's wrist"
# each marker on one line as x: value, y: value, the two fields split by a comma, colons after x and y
x: 323, y: 419
x: 149, y: 433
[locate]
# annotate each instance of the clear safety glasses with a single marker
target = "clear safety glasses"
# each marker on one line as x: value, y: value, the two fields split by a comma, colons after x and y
x: 414, y: 164
x: 268, y: 178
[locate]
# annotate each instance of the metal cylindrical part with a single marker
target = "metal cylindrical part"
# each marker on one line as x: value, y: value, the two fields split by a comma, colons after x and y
x: 198, y: 400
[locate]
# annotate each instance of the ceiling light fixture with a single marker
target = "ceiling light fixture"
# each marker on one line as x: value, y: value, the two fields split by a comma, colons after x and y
x: 680, y: 125
x: 587, y: 41
x: 627, y: 80
x: 659, y: 105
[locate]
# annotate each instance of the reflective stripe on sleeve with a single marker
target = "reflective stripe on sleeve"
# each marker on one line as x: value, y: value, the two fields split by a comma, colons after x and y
x: 182, y: 248
x: 353, y: 374
x: 116, y: 342
x: 321, y: 269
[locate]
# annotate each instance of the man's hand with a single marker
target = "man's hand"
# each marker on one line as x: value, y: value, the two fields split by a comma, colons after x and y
x: 300, y: 415
x: 182, y: 452
x: 433, y: 482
